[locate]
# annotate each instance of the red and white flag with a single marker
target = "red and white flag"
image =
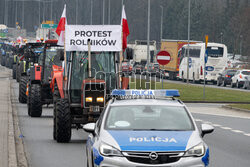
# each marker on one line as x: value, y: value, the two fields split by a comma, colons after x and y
x: 125, y: 29
x: 60, y: 30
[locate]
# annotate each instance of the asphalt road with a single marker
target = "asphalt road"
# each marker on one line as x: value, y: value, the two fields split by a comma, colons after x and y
x: 229, y: 143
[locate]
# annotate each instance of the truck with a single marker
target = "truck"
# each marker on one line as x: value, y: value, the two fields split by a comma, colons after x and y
x: 173, y: 46
x: 139, y: 48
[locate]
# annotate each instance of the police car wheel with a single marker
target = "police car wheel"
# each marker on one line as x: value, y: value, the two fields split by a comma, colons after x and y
x: 35, y: 100
x: 22, y: 90
x: 63, y: 121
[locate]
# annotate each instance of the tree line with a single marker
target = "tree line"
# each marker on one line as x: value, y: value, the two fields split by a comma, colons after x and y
x: 223, y: 20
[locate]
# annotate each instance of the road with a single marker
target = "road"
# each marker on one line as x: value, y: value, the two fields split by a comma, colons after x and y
x: 229, y: 144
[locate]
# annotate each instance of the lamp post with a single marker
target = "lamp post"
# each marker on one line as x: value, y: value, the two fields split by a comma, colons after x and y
x: 221, y: 37
x: 241, y: 44
x: 91, y: 12
x: 76, y: 11
x: 161, y: 20
x: 188, y: 41
x: 103, y: 12
x: 148, y: 38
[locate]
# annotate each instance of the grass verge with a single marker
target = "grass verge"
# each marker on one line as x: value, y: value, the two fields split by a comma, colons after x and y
x: 195, y: 93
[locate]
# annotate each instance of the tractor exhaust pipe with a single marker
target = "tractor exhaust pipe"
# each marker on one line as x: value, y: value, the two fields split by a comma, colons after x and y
x: 89, y: 58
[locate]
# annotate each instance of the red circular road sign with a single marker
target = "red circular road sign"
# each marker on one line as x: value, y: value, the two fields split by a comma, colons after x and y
x: 163, y: 57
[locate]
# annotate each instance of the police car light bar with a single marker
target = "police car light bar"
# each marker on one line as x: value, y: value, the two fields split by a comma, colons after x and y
x: 134, y: 92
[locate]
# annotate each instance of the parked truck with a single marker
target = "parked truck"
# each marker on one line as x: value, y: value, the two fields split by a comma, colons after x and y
x: 172, y: 46
x: 139, y: 49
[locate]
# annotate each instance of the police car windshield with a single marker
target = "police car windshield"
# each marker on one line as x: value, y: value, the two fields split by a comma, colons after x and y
x: 172, y: 118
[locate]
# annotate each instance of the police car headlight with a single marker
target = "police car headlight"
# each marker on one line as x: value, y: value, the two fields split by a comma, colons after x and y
x: 196, y: 151
x: 108, y: 150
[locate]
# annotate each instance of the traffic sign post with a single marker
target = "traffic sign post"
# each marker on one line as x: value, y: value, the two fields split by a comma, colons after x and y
x: 163, y: 58
x: 205, y: 61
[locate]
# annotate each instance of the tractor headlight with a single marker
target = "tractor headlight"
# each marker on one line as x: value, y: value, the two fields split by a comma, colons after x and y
x: 108, y: 150
x: 89, y: 99
x: 100, y: 99
x: 196, y: 151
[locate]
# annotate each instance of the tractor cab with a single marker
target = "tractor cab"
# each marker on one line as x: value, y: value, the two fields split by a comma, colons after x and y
x: 101, y: 75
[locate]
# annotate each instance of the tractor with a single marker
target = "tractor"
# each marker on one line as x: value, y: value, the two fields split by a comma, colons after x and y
x: 38, y: 87
x: 29, y: 58
x: 82, y: 93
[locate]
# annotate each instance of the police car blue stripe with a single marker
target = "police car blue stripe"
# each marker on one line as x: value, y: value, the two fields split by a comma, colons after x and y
x: 151, y: 140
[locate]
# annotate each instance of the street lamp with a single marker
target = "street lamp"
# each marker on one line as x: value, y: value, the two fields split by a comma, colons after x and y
x: 241, y: 37
x: 91, y: 12
x: 188, y: 42
x: 221, y: 37
x: 103, y: 12
x: 161, y: 20
x: 148, y: 38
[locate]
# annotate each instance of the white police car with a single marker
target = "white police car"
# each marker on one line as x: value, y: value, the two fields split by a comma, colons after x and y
x: 138, y: 129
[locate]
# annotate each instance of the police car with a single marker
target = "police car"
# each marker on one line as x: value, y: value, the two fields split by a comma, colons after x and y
x: 142, y: 128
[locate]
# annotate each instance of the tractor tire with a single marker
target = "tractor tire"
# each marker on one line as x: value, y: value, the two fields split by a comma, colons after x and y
x: 56, y: 95
x: 3, y: 60
x: 14, y: 71
x: 18, y: 73
x: 22, y: 89
x: 63, y: 121
x: 35, y: 100
x: 28, y: 102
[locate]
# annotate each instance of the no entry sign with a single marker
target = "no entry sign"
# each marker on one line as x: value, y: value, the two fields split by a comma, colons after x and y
x: 163, y: 57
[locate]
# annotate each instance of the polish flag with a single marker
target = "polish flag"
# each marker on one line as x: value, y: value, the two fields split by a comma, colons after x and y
x: 60, y: 30
x: 125, y: 29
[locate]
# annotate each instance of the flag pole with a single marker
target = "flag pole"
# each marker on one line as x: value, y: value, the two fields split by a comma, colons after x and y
x: 65, y: 56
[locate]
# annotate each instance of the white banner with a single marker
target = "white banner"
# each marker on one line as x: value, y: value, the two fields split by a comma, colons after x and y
x: 102, y: 37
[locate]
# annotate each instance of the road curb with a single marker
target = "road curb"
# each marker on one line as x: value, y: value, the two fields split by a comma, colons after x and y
x: 235, y: 108
x: 20, y: 146
x: 12, y: 156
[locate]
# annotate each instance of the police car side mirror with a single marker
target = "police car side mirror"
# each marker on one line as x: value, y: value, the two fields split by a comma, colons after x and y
x: 205, y: 129
x: 89, y: 128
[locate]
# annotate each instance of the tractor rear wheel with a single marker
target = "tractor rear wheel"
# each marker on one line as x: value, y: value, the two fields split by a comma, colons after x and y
x: 63, y: 121
x: 22, y: 89
x: 56, y: 95
x: 14, y: 71
x: 35, y: 100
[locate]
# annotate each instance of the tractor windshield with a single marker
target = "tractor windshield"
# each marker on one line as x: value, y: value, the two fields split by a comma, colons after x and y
x: 102, y: 68
x: 51, y: 59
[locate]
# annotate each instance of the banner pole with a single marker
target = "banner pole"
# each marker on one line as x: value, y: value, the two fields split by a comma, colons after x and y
x: 65, y: 57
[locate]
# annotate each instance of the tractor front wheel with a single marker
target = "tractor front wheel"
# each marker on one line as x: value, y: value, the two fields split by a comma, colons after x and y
x: 56, y: 95
x: 63, y: 121
x: 35, y: 100
x: 22, y: 89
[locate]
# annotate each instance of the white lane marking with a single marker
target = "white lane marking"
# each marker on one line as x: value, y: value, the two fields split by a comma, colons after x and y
x: 237, y: 131
x: 224, y: 127
x: 217, y: 125
x: 198, y: 120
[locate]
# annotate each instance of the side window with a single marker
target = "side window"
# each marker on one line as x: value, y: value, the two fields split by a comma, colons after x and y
x: 182, y: 54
